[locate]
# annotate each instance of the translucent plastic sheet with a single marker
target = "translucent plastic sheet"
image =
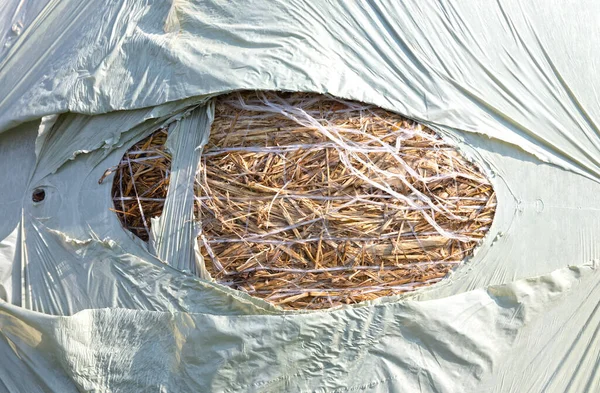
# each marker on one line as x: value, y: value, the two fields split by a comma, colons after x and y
x: 89, y: 307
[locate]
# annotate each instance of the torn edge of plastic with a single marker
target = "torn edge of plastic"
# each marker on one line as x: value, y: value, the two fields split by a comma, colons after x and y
x: 172, y: 234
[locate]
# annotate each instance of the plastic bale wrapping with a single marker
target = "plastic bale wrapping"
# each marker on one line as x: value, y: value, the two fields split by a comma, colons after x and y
x: 310, y: 201
x: 88, y: 306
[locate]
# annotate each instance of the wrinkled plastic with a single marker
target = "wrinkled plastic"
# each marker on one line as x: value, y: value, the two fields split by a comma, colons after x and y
x: 87, y: 306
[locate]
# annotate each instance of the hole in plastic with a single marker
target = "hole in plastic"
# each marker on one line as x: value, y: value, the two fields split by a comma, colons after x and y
x: 38, y: 195
x: 310, y: 201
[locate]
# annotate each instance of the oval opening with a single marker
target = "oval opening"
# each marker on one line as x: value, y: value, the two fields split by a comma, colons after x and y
x: 38, y: 195
x: 310, y: 201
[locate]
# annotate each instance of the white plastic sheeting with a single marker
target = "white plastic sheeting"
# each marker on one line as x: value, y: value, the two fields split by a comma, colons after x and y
x: 89, y: 307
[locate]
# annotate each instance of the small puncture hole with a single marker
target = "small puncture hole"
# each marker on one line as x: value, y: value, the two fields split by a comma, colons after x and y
x: 38, y: 195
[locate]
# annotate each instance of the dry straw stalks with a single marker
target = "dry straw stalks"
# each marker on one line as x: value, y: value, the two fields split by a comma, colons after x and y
x: 309, y: 201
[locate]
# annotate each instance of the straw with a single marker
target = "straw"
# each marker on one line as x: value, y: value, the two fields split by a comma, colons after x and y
x: 141, y: 184
x: 309, y: 201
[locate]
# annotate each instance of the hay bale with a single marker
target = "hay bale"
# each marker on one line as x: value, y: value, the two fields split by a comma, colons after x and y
x: 141, y: 182
x: 309, y: 201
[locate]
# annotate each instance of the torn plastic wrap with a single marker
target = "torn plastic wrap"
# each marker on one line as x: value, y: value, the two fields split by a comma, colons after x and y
x: 89, y: 307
